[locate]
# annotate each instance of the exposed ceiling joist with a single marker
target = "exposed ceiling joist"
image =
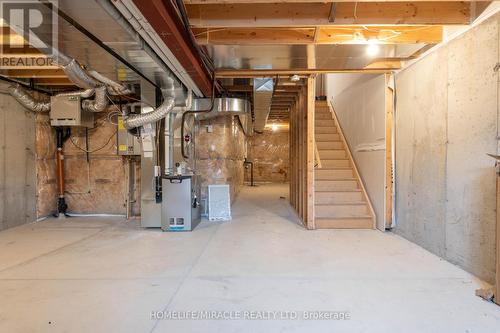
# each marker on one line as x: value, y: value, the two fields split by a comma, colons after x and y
x: 54, y: 81
x: 202, y: 2
x: 320, y: 35
x: 252, y: 73
x: 165, y: 20
x: 317, y: 14
x: 388, y: 63
x: 33, y: 73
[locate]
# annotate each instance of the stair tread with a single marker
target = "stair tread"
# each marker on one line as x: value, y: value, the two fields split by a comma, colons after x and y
x: 330, y: 142
x: 337, y: 168
x: 345, y: 217
x: 329, y: 179
x: 338, y: 191
x: 354, y: 203
x: 334, y: 191
x: 331, y: 149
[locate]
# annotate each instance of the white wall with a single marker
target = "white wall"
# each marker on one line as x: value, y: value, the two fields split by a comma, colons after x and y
x: 446, y: 123
x: 359, y: 101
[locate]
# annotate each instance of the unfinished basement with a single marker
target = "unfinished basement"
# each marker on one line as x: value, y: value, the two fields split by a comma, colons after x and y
x: 249, y: 166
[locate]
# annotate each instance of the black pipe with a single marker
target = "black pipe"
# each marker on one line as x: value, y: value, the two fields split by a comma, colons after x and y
x: 183, y: 120
x: 61, y: 136
x: 24, y: 84
x: 185, y: 20
x: 245, y: 162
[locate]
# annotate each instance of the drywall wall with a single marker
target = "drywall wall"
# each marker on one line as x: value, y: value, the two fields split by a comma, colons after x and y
x: 95, y: 183
x: 446, y: 123
x: 269, y: 153
x: 359, y: 102
x: 17, y: 163
x: 221, y: 150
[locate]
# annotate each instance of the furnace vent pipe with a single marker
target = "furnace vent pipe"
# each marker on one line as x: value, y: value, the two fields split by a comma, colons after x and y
x: 27, y: 100
x: 137, y: 120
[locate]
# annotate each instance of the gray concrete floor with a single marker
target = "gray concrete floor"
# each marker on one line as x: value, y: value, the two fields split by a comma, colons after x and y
x: 108, y: 275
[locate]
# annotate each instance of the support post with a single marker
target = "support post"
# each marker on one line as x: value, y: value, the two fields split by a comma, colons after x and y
x: 310, y: 150
x: 389, y: 172
x: 497, y: 279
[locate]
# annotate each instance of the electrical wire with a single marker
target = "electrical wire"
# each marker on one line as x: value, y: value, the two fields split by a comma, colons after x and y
x: 135, y: 99
x: 183, y: 118
x: 95, y: 150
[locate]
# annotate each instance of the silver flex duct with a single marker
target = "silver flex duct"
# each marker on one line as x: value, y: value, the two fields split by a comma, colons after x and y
x: 99, y: 103
x: 159, y: 113
x: 27, y: 100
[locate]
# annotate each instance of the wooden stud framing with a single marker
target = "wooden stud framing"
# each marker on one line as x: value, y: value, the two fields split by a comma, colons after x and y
x: 497, y: 284
x: 302, y: 154
x: 310, y: 147
x: 389, y: 118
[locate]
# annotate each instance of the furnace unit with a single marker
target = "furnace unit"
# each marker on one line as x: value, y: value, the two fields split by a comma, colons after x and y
x: 180, y: 209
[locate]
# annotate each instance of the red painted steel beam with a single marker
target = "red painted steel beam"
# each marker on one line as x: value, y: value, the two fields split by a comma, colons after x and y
x: 163, y: 17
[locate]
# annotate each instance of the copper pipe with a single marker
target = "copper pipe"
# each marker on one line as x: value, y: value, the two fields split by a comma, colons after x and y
x: 60, y: 171
x: 61, y: 136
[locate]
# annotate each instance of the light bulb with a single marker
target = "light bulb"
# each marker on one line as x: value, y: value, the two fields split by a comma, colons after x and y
x: 373, y: 48
x: 274, y: 127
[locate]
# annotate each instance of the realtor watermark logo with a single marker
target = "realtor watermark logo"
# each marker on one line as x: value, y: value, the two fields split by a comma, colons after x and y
x: 29, y: 23
x: 249, y: 315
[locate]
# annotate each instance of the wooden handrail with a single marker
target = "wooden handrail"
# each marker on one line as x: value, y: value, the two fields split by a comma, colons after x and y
x: 316, y: 155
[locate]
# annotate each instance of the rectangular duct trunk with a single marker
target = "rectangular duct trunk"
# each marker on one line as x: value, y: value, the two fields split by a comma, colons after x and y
x: 262, y: 97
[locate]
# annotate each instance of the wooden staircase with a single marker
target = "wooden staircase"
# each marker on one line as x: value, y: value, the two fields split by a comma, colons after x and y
x: 340, y: 197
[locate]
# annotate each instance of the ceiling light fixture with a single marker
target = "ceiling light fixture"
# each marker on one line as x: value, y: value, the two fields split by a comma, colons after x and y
x: 373, y: 48
x: 274, y: 127
x: 295, y: 78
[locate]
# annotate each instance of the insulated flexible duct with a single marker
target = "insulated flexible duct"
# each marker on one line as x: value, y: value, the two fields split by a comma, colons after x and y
x: 79, y: 76
x: 99, y: 103
x: 114, y: 88
x: 82, y: 93
x: 159, y: 113
x: 28, y: 101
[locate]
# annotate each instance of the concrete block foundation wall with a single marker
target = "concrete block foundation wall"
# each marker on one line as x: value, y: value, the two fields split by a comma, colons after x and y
x: 446, y: 123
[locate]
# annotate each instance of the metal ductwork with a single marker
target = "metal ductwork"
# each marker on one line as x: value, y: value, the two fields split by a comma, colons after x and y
x: 100, y: 102
x: 262, y: 98
x: 226, y: 106
x: 133, y: 121
x: 27, y: 100
x: 222, y: 107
